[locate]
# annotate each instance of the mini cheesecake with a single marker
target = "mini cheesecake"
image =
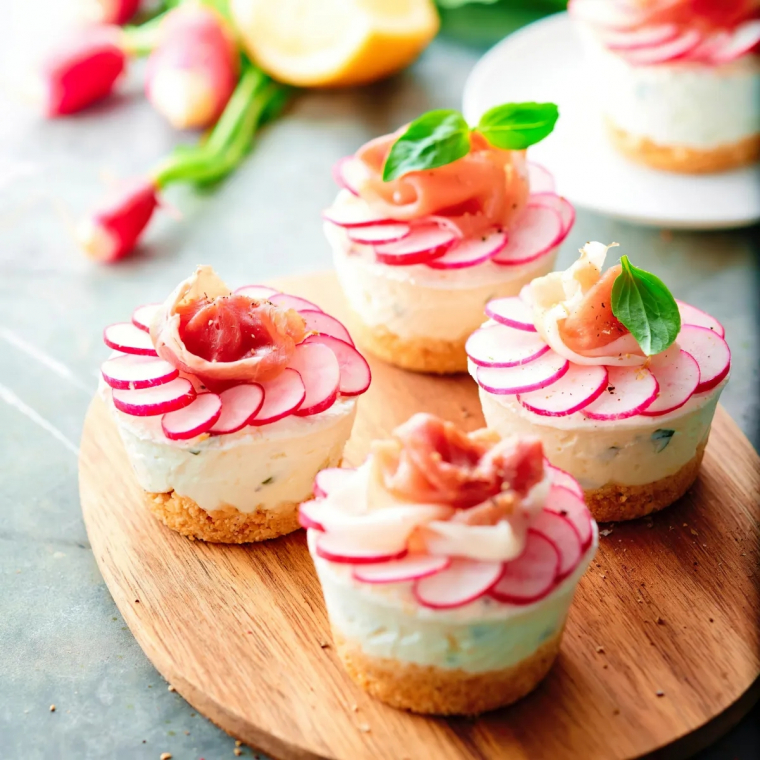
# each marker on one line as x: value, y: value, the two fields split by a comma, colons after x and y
x: 448, y: 564
x: 679, y: 86
x: 630, y: 428
x: 228, y: 404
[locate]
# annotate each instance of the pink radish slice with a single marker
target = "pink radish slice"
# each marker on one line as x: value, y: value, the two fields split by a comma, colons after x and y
x: 512, y: 312
x: 355, y: 214
x: 471, y: 251
x: 355, y: 375
x: 337, y: 548
x: 609, y: 15
x: 540, y: 179
x: 540, y: 373
x: 330, y: 478
x: 324, y: 324
x: 148, y: 402
x: 462, y: 582
x: 743, y: 39
x: 502, y: 346
x: 257, y: 292
x: 691, y: 315
x: 142, y: 316
x: 711, y: 353
x: 563, y: 479
x: 125, y: 337
x: 194, y: 419
x: 411, y: 568
x: 677, y: 375
x: 672, y: 50
x: 567, y: 503
x: 630, y: 390
x: 561, y: 205
x: 286, y: 301
x: 576, y: 389
x: 537, y: 232
x: 530, y: 576
x: 339, y: 174
x: 563, y: 534
x: 424, y: 243
x: 320, y: 372
x: 308, y: 516
x: 379, y: 233
x: 282, y: 397
x: 240, y: 405
x: 134, y: 372
x: 645, y: 37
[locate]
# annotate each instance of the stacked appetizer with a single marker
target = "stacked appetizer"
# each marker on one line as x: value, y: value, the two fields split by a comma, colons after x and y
x: 228, y: 405
x: 618, y: 379
x: 437, y: 218
x: 678, y: 81
x: 448, y: 564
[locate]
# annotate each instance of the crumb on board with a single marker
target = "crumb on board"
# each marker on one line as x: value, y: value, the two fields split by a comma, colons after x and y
x: 237, y: 751
x: 324, y: 644
x: 238, y: 743
x: 170, y: 688
x: 165, y: 756
x: 600, y: 650
x: 52, y: 708
x: 660, y: 693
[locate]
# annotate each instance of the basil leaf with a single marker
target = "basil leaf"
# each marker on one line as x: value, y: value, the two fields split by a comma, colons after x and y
x: 643, y: 303
x: 516, y: 126
x: 434, y: 139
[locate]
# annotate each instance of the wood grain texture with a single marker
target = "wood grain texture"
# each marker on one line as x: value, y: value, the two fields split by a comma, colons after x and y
x: 669, y: 606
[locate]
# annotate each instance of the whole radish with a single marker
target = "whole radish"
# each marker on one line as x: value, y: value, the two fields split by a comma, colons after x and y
x: 108, y: 11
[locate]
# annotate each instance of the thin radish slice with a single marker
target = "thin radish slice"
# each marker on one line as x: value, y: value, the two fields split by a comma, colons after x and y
x: 507, y: 381
x: 711, y: 353
x: 196, y: 418
x: 471, y: 251
x: 540, y: 179
x: 513, y: 312
x: 354, y: 214
x: 672, y: 50
x: 537, y: 232
x: 142, y: 316
x: 379, y: 233
x: 125, y: 337
x: 339, y: 174
x: 464, y: 581
x: 580, y: 386
x: 134, y: 372
x: 355, y: 375
x: 324, y: 324
x: 561, y: 205
x: 257, y: 292
x: 630, y: 390
x: 677, y: 375
x: 286, y: 301
x: 240, y: 405
x: 563, y: 534
x: 691, y: 315
x: 606, y: 14
x: 644, y: 37
x: 308, y: 516
x: 502, y: 346
x: 337, y: 548
x: 531, y: 576
x: 423, y: 244
x: 283, y: 396
x: 744, y: 38
x: 567, y: 503
x: 320, y: 372
x: 330, y: 478
x: 411, y: 568
x: 149, y: 402
x: 564, y: 479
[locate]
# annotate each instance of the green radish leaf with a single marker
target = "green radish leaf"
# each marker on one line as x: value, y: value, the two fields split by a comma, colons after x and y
x: 516, y: 126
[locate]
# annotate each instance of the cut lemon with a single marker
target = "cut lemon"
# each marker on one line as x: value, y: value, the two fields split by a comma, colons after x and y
x: 333, y: 43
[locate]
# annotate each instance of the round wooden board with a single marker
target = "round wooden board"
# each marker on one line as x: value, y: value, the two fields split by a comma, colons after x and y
x: 661, y: 639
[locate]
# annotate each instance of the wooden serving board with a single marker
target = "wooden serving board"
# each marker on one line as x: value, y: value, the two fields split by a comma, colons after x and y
x: 661, y: 639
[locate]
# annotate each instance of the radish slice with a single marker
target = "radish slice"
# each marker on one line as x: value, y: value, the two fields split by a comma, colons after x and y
x: 531, y: 576
x: 512, y: 312
x: 282, y: 397
x: 379, y: 233
x: 537, y: 232
x: 337, y: 548
x: 134, y: 372
x: 672, y: 50
x: 320, y: 372
x: 148, y: 402
x: 410, y: 568
x: 125, y: 337
x: 561, y: 205
x: 329, y: 478
x: 471, y: 252
x: 677, y: 375
x: 562, y: 533
x: 355, y: 375
x: 691, y: 315
x: 540, y: 373
x: 339, y: 174
x: 239, y: 406
x: 464, y: 581
x: 324, y: 324
x: 355, y: 214
x: 257, y: 292
x: 194, y: 419
x: 501, y: 346
x: 630, y: 390
x: 142, y: 316
x: 424, y: 243
x: 610, y: 15
x: 564, y: 479
x: 567, y: 503
x: 285, y: 301
x: 743, y: 39
x: 308, y: 516
x: 576, y: 389
x: 540, y: 179
x: 645, y: 37
x: 711, y: 353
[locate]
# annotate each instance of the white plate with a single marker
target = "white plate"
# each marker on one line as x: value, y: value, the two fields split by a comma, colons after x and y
x: 543, y: 62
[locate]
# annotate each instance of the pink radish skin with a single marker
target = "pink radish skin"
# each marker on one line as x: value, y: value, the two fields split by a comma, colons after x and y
x: 531, y: 576
x: 354, y: 215
x: 672, y: 50
x: 307, y: 516
x: 355, y: 374
x: 563, y: 479
x: 741, y: 41
x: 335, y: 548
x: 565, y: 502
x: 540, y: 179
x: 125, y: 337
x: 561, y: 206
x: 508, y: 381
x: 379, y: 233
x: 563, y: 534
x: 324, y: 324
x: 338, y: 174
x: 150, y: 402
x: 111, y: 11
x: 131, y: 372
x: 286, y: 301
x: 329, y: 478
x: 502, y: 346
x: 691, y: 315
x: 677, y: 375
x: 536, y: 232
x: 423, y: 244
x: 240, y: 405
x: 257, y: 292
x: 629, y: 392
x: 142, y: 316
x: 711, y: 353
x: 512, y: 312
x: 320, y: 372
x: 471, y: 251
x: 580, y: 386
x: 283, y: 396
x: 196, y: 418
x: 463, y: 582
x: 411, y: 568
x: 646, y: 37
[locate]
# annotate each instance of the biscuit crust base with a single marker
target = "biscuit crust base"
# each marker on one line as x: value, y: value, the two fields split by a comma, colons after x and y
x: 682, y: 159
x: 431, y: 690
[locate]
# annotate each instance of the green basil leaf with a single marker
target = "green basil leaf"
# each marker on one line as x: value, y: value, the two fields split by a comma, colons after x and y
x: 434, y: 139
x: 643, y: 303
x: 516, y: 126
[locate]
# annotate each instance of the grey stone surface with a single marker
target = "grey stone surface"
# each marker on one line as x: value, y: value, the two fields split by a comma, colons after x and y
x: 62, y: 641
